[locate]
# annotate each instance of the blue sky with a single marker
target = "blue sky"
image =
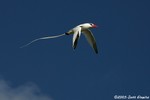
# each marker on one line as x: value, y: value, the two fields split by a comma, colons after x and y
x: 121, y: 67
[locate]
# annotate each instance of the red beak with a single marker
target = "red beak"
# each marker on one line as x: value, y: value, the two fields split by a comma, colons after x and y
x: 94, y: 26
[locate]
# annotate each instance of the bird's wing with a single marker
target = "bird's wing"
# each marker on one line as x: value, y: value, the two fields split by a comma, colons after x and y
x: 43, y: 38
x: 76, y: 36
x: 90, y: 38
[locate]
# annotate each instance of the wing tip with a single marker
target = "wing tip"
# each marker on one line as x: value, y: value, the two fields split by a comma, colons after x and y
x: 96, y: 52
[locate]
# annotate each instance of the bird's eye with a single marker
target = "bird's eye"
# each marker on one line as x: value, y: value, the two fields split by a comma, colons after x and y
x: 91, y: 24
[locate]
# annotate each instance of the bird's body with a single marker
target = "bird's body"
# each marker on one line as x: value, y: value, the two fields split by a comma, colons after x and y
x: 76, y: 31
x: 83, y: 27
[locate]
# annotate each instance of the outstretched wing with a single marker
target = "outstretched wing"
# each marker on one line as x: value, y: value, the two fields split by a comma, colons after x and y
x: 76, y: 36
x: 43, y: 38
x: 90, y: 38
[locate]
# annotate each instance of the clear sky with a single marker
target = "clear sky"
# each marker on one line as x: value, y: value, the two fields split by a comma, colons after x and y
x: 122, y: 66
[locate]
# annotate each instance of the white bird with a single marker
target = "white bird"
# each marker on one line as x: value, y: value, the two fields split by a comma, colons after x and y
x: 76, y: 31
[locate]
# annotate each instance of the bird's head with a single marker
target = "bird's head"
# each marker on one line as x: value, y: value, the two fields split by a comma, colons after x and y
x: 88, y: 25
x: 93, y: 25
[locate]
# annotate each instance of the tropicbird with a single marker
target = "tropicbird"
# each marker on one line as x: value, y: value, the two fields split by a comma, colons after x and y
x: 76, y: 31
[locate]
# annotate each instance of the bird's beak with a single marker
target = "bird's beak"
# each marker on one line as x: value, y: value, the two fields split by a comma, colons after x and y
x: 94, y: 26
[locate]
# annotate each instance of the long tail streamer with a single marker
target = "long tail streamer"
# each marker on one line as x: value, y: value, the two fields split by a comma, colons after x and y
x: 43, y: 38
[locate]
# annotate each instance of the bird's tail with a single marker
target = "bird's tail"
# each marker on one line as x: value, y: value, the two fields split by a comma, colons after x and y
x: 43, y: 38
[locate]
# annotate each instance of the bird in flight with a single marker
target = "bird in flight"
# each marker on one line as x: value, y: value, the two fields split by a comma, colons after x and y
x: 76, y: 31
